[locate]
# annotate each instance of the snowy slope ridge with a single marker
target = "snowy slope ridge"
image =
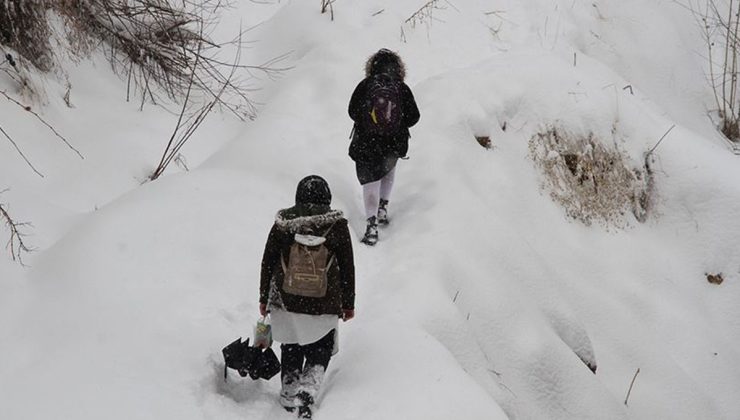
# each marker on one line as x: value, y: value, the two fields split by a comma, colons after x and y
x: 482, y: 299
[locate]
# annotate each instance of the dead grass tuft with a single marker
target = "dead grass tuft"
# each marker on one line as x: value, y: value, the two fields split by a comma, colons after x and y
x: 594, y: 183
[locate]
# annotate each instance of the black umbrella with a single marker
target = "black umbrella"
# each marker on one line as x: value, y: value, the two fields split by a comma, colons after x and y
x: 269, y: 364
x: 248, y: 360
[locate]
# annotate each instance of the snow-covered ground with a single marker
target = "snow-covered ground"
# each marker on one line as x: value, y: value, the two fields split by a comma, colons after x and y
x: 481, y: 299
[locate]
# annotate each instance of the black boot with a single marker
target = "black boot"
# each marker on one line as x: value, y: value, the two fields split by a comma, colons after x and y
x: 371, y: 233
x: 383, y: 212
x: 304, y: 411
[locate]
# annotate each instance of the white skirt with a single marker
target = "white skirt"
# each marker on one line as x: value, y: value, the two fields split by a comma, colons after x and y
x: 294, y: 328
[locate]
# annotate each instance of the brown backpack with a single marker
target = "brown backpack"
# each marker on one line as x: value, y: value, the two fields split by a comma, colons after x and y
x: 307, y: 266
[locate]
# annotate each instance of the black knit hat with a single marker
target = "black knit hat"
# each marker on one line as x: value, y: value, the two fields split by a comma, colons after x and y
x: 313, y: 189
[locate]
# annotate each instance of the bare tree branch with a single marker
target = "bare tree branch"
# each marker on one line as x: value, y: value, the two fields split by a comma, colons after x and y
x: 38, y: 117
x: 424, y: 14
x: 179, y: 135
x: 16, y: 243
x: 328, y: 5
x: 20, y: 152
x: 720, y: 25
x: 159, y: 42
x: 631, y: 385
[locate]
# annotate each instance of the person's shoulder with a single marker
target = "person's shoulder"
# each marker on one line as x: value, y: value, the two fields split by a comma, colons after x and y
x: 363, y: 82
x: 285, y: 214
x: 342, y: 221
x: 337, y: 219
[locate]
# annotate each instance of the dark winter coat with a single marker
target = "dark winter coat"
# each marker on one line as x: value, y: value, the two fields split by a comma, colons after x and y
x: 374, y: 150
x: 340, y: 292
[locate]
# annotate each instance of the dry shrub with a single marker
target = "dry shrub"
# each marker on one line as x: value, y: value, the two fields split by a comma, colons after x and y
x: 593, y: 182
x: 162, y: 43
x: 720, y: 23
x: 24, y: 28
x: 150, y: 43
x: 17, y: 233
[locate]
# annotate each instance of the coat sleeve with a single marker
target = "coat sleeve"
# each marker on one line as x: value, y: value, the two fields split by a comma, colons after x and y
x: 345, y: 261
x: 355, y: 102
x: 410, y: 110
x: 270, y: 260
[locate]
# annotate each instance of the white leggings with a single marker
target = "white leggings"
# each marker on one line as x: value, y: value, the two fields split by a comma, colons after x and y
x: 373, y: 192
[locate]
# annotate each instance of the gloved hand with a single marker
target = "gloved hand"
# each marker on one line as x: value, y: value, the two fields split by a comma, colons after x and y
x: 347, y: 314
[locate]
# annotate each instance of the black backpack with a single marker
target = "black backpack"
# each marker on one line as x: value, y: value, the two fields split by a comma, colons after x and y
x: 382, y: 110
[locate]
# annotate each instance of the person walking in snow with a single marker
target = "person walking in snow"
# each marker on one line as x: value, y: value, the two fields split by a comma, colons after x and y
x: 383, y: 108
x: 307, y: 283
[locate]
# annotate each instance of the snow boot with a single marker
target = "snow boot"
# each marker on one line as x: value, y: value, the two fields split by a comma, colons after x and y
x: 371, y: 233
x: 304, y: 411
x: 383, y: 213
x: 289, y: 391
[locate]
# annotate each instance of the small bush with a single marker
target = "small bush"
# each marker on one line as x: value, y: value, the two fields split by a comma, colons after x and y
x: 25, y: 29
x: 150, y: 43
x: 720, y: 24
x: 592, y: 182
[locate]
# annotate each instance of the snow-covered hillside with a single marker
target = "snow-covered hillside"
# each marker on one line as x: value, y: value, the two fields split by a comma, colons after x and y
x: 482, y: 300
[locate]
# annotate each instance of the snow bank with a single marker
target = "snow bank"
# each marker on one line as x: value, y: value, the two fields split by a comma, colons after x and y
x: 483, y: 300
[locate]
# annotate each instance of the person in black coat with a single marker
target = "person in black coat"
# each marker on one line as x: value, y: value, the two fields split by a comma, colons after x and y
x: 306, y: 324
x: 376, y: 154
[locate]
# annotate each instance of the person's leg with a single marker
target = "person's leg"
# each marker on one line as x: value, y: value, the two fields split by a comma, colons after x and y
x: 291, y: 361
x: 371, y: 197
x: 318, y: 355
x: 386, y: 186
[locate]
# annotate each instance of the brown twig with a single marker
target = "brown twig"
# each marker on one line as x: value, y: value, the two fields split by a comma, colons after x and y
x: 629, y: 391
x: 16, y: 244
x: 423, y: 14
x: 38, y: 117
x: 158, y: 42
x: 191, y: 124
x: 659, y: 141
x: 720, y: 26
x: 20, y: 152
x: 328, y: 5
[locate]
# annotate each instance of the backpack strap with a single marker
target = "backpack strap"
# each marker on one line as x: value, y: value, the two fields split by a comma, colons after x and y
x: 333, y: 257
x: 329, y: 230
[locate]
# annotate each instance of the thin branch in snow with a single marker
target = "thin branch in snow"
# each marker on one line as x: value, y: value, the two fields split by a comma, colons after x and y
x: 20, y: 152
x: 38, y: 117
x: 425, y: 13
x: 156, y: 43
x: 659, y: 141
x: 187, y: 126
x: 629, y: 391
x: 16, y: 243
x: 328, y: 5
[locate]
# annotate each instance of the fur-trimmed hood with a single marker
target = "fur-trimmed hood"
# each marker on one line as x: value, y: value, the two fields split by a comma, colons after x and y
x: 306, y: 224
x: 385, y: 61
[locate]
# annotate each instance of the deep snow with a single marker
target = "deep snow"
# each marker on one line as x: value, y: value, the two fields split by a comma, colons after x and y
x: 481, y: 298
